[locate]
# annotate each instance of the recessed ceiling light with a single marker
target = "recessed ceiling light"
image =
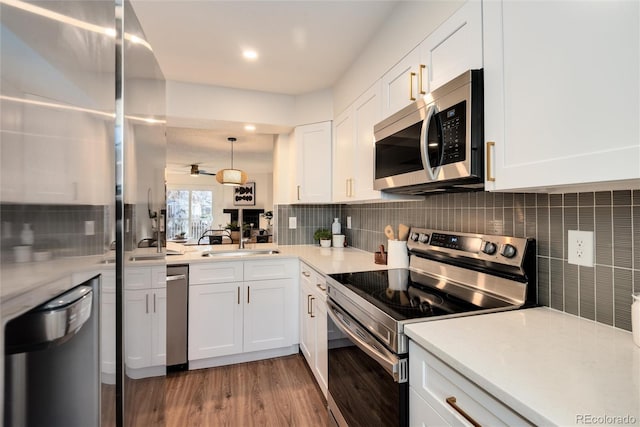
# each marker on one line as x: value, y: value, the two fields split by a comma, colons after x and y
x: 249, y: 128
x: 250, y: 54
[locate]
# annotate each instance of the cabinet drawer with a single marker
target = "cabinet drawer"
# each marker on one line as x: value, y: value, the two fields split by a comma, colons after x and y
x: 215, y: 272
x: 137, y: 278
x: 315, y: 281
x: 421, y: 413
x: 108, y: 280
x: 435, y: 382
x: 159, y: 277
x: 270, y: 269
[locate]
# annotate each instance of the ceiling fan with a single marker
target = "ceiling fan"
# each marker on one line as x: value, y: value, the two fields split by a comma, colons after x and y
x: 196, y: 171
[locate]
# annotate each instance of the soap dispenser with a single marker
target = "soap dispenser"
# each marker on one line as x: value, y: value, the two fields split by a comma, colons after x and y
x: 335, y: 227
x: 26, y: 235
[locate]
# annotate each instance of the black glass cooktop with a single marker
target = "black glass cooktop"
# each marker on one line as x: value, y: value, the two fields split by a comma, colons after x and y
x: 404, y: 294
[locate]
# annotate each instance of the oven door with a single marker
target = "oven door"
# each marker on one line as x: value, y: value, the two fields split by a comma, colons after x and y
x: 368, y: 384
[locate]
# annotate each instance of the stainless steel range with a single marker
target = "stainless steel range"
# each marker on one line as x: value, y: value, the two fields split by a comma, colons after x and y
x: 449, y: 275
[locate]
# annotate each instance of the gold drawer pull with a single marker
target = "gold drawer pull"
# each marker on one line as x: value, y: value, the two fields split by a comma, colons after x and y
x: 452, y: 402
x: 490, y: 146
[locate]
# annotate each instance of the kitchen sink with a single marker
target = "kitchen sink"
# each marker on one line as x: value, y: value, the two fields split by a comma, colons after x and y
x: 148, y: 257
x: 240, y: 253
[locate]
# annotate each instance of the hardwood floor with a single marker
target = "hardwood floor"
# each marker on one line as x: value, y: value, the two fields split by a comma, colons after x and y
x: 273, y: 392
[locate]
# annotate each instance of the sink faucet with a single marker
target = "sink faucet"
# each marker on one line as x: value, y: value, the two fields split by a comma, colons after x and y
x: 242, y: 242
x: 242, y: 239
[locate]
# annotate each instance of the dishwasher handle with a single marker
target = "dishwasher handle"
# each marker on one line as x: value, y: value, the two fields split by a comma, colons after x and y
x: 176, y: 277
x: 51, y: 323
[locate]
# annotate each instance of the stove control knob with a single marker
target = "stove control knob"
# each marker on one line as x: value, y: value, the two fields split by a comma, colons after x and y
x: 508, y: 251
x: 489, y: 248
x: 423, y: 238
x: 414, y: 236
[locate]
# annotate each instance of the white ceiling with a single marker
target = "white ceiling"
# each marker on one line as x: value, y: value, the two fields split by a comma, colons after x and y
x: 303, y: 46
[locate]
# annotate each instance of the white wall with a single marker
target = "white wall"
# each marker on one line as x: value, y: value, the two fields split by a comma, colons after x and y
x: 313, y: 107
x: 409, y: 24
x: 214, y: 103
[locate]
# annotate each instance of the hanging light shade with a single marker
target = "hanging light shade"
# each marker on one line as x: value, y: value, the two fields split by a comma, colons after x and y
x: 231, y: 176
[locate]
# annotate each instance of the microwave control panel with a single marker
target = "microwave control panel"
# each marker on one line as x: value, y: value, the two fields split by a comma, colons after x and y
x: 452, y: 121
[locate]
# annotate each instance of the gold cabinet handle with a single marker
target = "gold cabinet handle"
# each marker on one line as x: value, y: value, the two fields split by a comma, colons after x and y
x: 309, y: 304
x: 490, y: 146
x: 311, y: 312
x: 420, y: 76
x: 298, y: 193
x: 321, y: 287
x: 351, y: 187
x: 347, y: 189
x: 306, y: 274
x: 248, y: 294
x: 452, y: 402
x: 238, y: 295
x: 411, y: 97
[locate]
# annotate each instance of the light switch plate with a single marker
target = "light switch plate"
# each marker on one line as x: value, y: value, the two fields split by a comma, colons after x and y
x: 348, y: 223
x: 580, y: 247
x: 293, y: 222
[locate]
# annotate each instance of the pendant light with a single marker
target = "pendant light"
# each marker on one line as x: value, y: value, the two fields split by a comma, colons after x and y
x: 231, y: 176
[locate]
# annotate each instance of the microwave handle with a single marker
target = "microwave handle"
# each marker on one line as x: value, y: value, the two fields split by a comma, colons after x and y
x: 423, y: 143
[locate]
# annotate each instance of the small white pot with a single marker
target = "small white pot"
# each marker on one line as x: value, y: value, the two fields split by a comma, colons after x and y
x: 325, y: 243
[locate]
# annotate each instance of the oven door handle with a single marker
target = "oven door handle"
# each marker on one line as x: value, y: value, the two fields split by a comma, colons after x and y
x: 395, y: 366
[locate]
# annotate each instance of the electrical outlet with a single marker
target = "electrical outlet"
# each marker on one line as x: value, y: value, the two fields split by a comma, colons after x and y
x: 89, y: 228
x: 293, y: 222
x: 580, y: 247
x: 348, y: 223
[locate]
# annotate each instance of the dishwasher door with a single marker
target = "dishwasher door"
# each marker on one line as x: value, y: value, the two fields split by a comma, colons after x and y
x: 177, y: 316
x: 52, y: 362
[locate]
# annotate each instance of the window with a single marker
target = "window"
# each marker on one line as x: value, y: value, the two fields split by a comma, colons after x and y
x: 188, y: 212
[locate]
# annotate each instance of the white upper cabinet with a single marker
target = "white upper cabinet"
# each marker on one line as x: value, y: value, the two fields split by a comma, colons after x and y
x: 400, y: 84
x: 313, y: 163
x: 454, y: 47
x: 550, y: 121
x: 354, y: 148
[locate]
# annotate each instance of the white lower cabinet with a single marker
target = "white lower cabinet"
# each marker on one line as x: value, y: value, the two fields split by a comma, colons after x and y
x: 421, y: 414
x: 243, y: 319
x: 145, y: 314
x: 313, y: 323
x: 267, y: 316
x: 437, y: 390
x: 215, y: 320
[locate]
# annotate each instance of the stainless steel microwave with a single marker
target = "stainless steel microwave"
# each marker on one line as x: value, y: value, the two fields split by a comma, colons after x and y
x: 436, y: 143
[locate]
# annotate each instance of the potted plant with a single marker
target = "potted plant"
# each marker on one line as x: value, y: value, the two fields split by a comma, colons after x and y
x: 234, y: 230
x: 323, y: 235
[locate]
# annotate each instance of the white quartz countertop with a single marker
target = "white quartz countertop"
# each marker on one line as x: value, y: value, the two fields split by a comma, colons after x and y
x: 551, y: 367
x: 325, y: 260
x: 26, y: 285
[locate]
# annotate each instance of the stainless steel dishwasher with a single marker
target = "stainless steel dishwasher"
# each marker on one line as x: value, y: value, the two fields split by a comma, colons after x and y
x: 52, y: 362
x: 177, y: 316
